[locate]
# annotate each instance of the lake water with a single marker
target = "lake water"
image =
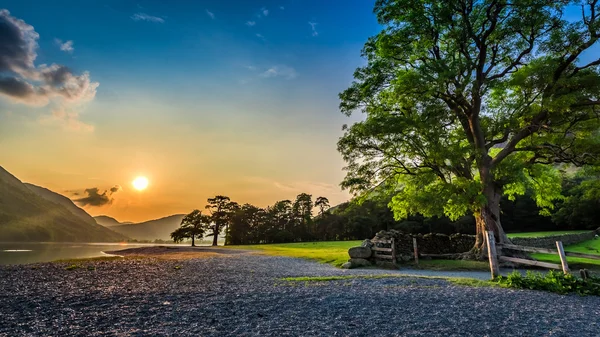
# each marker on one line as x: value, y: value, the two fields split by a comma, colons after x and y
x: 31, y: 252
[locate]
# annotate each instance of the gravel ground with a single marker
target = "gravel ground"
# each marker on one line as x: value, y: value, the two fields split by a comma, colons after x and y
x: 243, y: 295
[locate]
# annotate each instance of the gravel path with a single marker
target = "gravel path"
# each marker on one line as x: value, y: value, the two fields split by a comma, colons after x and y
x: 243, y: 295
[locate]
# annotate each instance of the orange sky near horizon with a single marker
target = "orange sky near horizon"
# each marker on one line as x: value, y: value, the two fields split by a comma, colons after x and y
x: 174, y: 186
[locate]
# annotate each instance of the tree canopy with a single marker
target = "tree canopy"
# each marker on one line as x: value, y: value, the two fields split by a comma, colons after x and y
x: 193, y: 226
x: 469, y: 100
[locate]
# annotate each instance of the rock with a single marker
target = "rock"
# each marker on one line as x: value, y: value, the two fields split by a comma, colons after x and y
x: 358, y: 262
x: 360, y: 252
x: 347, y: 265
x: 367, y: 243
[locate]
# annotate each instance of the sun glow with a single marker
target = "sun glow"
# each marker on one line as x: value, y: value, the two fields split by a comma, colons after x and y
x: 140, y: 183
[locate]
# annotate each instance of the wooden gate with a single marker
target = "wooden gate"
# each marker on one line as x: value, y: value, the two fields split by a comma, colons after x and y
x: 384, y: 249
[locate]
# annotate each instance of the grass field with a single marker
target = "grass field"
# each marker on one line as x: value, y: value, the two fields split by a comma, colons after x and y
x: 336, y: 253
x: 542, y: 234
x: 587, y: 247
x: 332, y: 252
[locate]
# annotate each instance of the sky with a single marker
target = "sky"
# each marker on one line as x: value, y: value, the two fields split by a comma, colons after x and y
x: 237, y: 98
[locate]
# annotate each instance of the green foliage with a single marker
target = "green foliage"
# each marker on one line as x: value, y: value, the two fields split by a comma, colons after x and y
x: 466, y: 100
x: 193, y: 226
x: 581, y: 206
x: 553, y: 281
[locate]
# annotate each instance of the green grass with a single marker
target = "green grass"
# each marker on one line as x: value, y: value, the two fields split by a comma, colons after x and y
x: 336, y: 253
x: 442, y: 265
x: 542, y: 234
x: 460, y: 281
x: 332, y: 252
x: 588, y: 247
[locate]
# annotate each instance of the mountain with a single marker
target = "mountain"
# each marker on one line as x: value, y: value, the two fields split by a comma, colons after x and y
x: 61, y: 200
x: 149, y: 230
x: 107, y: 221
x: 33, y: 213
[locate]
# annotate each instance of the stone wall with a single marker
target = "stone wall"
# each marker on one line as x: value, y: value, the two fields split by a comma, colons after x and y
x: 432, y: 243
x: 435, y: 243
x: 550, y: 241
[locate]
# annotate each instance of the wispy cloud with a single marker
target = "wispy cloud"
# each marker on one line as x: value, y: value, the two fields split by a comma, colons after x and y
x: 250, y: 68
x: 250, y: 23
x: 313, y: 27
x: 264, y: 11
x: 261, y: 37
x: 211, y: 14
x: 66, y: 46
x: 146, y: 17
x: 281, y: 7
x: 280, y: 71
x: 67, y: 119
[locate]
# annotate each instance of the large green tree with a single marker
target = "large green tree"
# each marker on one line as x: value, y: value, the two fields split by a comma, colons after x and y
x: 221, y: 208
x: 467, y: 100
x: 193, y: 226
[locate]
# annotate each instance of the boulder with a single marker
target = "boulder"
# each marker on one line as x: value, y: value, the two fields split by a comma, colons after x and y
x: 360, y: 252
x: 358, y: 262
x: 347, y: 265
x: 367, y: 243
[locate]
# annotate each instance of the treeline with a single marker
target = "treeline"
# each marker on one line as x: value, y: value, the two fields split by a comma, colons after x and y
x: 305, y: 219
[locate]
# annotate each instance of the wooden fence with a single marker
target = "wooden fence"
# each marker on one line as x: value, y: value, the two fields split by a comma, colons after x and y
x: 384, y: 253
x: 495, y: 254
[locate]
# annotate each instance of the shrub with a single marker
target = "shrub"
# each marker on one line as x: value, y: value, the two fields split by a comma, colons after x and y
x: 553, y: 281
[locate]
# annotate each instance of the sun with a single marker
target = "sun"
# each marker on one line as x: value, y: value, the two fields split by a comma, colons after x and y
x: 140, y: 183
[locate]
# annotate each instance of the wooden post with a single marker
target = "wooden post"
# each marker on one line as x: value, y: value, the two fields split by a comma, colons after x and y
x: 393, y: 250
x: 491, y: 245
x: 563, y: 257
x: 416, y: 250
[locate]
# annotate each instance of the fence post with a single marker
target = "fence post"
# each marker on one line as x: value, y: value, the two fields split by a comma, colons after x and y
x: 394, y: 251
x: 491, y: 246
x: 416, y: 250
x: 563, y: 257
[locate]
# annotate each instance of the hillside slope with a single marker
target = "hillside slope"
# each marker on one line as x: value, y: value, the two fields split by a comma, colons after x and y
x: 63, y: 201
x: 150, y: 230
x: 26, y: 216
x: 107, y: 221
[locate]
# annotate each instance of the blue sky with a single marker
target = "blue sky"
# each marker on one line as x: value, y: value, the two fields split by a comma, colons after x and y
x: 231, y: 97
x: 202, y: 97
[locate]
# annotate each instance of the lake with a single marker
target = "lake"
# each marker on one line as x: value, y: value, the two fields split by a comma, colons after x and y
x: 32, y: 252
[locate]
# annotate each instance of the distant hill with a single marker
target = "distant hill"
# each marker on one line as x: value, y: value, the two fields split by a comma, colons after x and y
x: 148, y: 230
x: 107, y: 221
x: 33, y: 213
x: 61, y: 200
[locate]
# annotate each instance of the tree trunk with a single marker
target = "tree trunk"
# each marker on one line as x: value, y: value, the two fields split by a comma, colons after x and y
x: 193, y: 243
x: 488, y: 219
x: 226, y: 234
x: 216, y: 234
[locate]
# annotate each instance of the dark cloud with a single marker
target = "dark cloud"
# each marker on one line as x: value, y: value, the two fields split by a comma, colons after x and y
x: 17, y: 43
x: 16, y: 88
x: 26, y: 83
x: 95, y: 198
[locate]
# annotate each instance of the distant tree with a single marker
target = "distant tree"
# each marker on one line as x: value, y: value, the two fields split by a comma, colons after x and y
x: 581, y: 207
x: 221, y: 208
x: 323, y: 204
x: 302, y: 212
x: 469, y: 100
x: 192, y: 226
